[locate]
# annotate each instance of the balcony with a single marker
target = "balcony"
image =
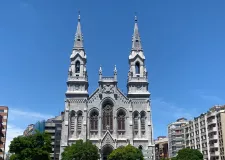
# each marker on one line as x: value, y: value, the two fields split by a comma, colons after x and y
x: 213, y: 129
x: 213, y: 121
x: 214, y: 145
x: 214, y: 137
x: 177, y: 133
x: 178, y: 138
x: 214, y: 154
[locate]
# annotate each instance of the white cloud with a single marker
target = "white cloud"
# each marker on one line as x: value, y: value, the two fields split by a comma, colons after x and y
x: 171, y: 109
x: 34, y: 115
x: 18, y: 120
x: 209, y: 97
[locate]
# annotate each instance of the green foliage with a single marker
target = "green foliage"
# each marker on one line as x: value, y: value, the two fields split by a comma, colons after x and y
x: 33, y: 147
x: 189, y: 154
x: 164, y: 159
x: 126, y: 153
x: 81, y: 150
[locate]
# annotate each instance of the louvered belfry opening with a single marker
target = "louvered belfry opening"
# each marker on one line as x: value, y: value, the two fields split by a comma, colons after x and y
x: 143, y: 115
x: 72, y: 121
x: 79, y: 121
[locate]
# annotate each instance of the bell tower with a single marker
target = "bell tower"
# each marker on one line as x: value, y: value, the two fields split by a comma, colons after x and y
x: 77, y: 83
x: 137, y: 83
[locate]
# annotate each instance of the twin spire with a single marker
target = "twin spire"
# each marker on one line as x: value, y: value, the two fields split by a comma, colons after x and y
x: 78, y: 42
x: 136, y: 40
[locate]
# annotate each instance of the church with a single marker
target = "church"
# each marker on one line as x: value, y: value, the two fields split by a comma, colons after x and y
x: 107, y: 117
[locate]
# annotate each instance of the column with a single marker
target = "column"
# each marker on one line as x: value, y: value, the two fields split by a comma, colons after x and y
x: 99, y: 127
x: 115, y: 126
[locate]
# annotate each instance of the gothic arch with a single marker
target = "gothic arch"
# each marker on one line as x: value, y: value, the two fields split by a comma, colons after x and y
x: 93, y: 120
x: 121, y: 120
x: 135, y: 113
x: 140, y: 147
x: 106, y: 150
x: 121, y: 108
x: 72, y: 121
x: 107, y: 114
x: 79, y: 120
x: 108, y: 99
x: 135, y: 120
x: 94, y: 108
x: 143, y: 119
x: 137, y: 67
x: 77, y: 66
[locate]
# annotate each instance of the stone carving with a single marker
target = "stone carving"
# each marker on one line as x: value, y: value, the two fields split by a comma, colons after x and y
x: 108, y: 89
x: 107, y: 139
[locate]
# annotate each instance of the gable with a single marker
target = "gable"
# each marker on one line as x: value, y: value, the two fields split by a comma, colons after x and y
x: 107, y: 139
x: 108, y: 91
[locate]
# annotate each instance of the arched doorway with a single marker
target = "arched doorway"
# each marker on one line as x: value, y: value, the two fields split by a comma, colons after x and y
x: 106, y: 150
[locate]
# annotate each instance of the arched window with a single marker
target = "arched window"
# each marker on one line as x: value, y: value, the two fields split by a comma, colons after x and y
x: 79, y: 121
x: 72, y: 121
x: 77, y: 67
x: 135, y: 120
x: 94, y: 120
x: 121, y: 120
x: 107, y: 120
x: 137, y: 68
x: 143, y: 120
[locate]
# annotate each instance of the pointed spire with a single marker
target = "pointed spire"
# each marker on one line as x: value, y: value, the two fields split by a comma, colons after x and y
x: 136, y: 40
x: 100, y: 69
x: 115, y: 69
x: 78, y: 42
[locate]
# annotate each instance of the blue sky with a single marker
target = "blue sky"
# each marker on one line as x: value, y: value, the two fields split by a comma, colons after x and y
x: 183, y: 41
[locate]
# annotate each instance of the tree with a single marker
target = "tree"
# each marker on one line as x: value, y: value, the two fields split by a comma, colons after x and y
x: 33, y: 147
x: 81, y: 151
x: 189, y: 154
x: 126, y: 153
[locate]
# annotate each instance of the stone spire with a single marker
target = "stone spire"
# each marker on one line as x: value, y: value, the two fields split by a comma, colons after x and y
x: 115, y: 73
x: 78, y: 41
x: 100, y: 73
x: 136, y: 40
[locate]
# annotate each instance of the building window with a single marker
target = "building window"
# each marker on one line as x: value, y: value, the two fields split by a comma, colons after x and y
x: 137, y: 68
x: 121, y: 120
x: 107, y: 121
x: 1, y: 110
x: 79, y: 121
x: 135, y: 119
x: 143, y: 116
x: 77, y: 67
x: 72, y: 121
x: 94, y: 120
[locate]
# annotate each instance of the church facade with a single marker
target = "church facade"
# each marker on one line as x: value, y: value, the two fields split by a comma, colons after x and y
x: 108, y: 117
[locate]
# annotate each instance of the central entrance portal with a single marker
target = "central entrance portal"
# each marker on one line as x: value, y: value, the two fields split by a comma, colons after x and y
x: 106, y: 150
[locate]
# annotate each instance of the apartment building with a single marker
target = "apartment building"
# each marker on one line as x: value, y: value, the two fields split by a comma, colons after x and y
x: 29, y: 130
x: 53, y: 127
x: 3, y: 130
x: 176, y: 136
x: 207, y: 133
x: 161, y: 147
